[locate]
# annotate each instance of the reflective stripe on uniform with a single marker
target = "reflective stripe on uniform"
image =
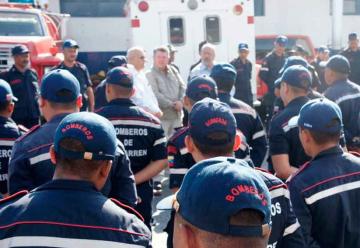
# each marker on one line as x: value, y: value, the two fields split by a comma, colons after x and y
x: 291, y: 229
x: 160, y: 141
x: 7, y: 142
x: 184, y: 151
x: 258, y: 134
x: 332, y: 191
x: 135, y: 123
x: 40, y: 158
x: 46, y: 241
x: 279, y: 192
x: 347, y: 97
x: 181, y: 171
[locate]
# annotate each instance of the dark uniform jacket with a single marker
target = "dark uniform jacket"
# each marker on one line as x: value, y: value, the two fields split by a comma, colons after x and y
x: 100, y: 95
x: 243, y: 81
x: 30, y: 164
x: 284, y: 138
x: 9, y: 132
x: 325, y: 195
x: 250, y: 125
x: 354, y: 59
x: 347, y: 95
x: 25, y: 87
x: 68, y: 213
x: 81, y: 72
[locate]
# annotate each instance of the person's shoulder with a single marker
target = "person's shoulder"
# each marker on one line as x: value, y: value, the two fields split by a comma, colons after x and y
x: 12, y: 198
x: 179, y: 134
x: 29, y: 133
x: 11, y: 129
x: 240, y: 107
x: 273, y: 183
x: 81, y: 66
x: 146, y: 115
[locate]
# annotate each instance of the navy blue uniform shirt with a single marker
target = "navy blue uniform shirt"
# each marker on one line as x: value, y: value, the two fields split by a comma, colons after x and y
x: 250, y: 125
x: 30, y: 164
x: 100, y: 95
x: 26, y: 89
x: 347, y: 95
x: 354, y: 60
x: 9, y: 132
x: 284, y: 139
x: 325, y: 195
x: 243, y: 81
x: 81, y: 72
x: 68, y: 213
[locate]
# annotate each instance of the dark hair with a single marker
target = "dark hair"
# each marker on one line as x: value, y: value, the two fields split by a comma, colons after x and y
x: 321, y: 138
x: 4, y: 105
x: 80, y: 167
x: 65, y: 94
x: 215, y: 150
x: 224, y: 84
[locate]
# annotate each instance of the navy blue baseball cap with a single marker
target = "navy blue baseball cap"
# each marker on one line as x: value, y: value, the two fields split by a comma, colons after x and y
x: 19, y: 49
x: 323, y: 49
x: 200, y: 87
x: 223, y: 71
x: 353, y: 36
x: 211, y: 116
x: 120, y: 76
x: 6, y: 94
x: 118, y: 60
x: 297, y: 76
x: 243, y: 46
x: 281, y: 40
x: 69, y: 43
x: 95, y: 133
x: 339, y: 63
x: 320, y: 115
x: 294, y: 60
x: 277, y: 83
x: 55, y: 82
x: 216, y: 189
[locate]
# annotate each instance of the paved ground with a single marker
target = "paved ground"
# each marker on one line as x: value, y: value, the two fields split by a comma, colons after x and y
x: 160, y: 219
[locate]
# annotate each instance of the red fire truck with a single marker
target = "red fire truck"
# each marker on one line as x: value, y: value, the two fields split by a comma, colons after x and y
x: 39, y: 30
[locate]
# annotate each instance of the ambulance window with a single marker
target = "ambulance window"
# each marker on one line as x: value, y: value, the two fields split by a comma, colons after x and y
x: 176, y: 31
x: 212, y: 29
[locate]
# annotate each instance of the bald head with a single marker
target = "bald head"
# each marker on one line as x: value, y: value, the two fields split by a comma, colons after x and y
x: 136, y: 57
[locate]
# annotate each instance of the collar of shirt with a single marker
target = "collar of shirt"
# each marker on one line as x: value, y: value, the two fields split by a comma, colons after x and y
x: 224, y: 97
x: 122, y: 101
x: 64, y: 184
x: 14, y: 69
x: 63, y: 66
x: 301, y: 100
x: 330, y: 151
x: 58, y: 118
x: 4, y: 119
x: 340, y: 82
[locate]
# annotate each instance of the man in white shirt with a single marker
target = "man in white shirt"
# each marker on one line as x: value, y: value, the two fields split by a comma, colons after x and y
x: 144, y: 96
x: 207, y: 55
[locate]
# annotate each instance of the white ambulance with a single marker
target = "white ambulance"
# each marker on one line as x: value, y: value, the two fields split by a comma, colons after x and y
x: 107, y: 27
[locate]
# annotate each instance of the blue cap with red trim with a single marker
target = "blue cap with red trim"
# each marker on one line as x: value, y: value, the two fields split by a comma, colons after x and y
x: 95, y: 133
x: 19, y: 49
x: 211, y: 116
x: 215, y: 190
x: 201, y: 87
x: 6, y: 94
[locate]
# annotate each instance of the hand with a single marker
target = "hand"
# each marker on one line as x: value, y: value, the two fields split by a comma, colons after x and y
x: 178, y: 106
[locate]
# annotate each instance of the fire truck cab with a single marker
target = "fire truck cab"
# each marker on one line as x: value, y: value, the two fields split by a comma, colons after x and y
x: 38, y: 30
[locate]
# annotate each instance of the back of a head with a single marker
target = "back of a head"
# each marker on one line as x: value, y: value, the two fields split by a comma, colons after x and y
x: 121, y: 82
x: 82, y: 142
x: 225, y: 203
x: 61, y: 89
x: 298, y: 78
x: 201, y: 87
x: 212, y: 127
x: 224, y: 76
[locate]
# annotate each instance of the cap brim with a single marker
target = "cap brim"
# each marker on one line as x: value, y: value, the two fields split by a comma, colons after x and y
x: 277, y: 83
x: 14, y: 99
x: 167, y: 203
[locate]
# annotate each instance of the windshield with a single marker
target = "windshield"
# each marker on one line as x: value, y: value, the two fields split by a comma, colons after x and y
x: 20, y: 24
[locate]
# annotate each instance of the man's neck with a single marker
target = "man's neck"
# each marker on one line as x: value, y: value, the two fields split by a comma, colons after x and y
x: 21, y: 68
x: 279, y: 53
x: 59, y: 112
x: 292, y: 98
x: 198, y: 157
x: 5, y: 115
x: 319, y: 149
x: 69, y: 63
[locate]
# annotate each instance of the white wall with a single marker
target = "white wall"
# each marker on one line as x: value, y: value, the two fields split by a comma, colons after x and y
x: 305, y: 17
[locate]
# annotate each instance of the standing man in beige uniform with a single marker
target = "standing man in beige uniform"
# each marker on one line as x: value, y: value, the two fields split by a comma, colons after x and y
x: 169, y: 89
